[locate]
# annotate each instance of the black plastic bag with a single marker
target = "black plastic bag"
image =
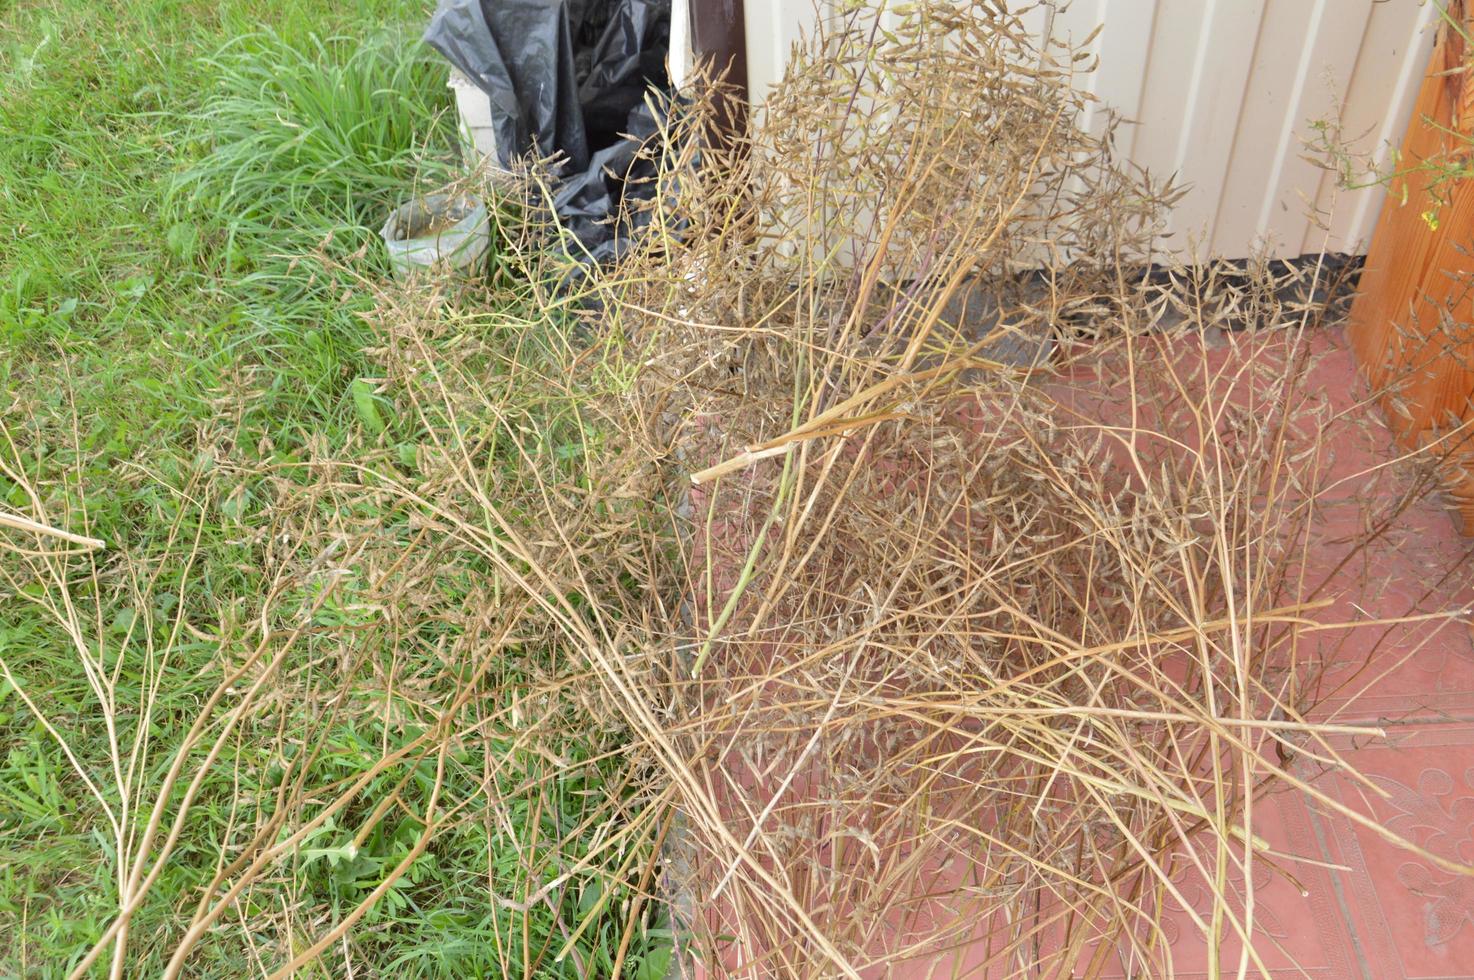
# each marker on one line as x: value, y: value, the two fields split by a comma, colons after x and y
x: 567, y: 77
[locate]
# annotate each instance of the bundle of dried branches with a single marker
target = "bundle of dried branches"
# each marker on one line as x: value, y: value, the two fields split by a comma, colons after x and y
x: 940, y: 588
x: 995, y: 635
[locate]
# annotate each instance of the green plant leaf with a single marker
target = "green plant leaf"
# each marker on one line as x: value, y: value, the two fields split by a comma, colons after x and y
x: 655, y: 964
x: 363, y: 403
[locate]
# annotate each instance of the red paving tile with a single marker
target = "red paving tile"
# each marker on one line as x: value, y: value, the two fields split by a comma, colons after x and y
x: 1422, y: 671
x: 1343, y: 902
x: 1411, y: 918
x: 1300, y: 931
x: 1384, y: 913
x: 1379, y: 912
x: 1404, y: 671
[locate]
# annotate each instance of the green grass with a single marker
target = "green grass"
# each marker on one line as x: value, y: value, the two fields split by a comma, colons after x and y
x: 167, y: 163
x: 189, y: 192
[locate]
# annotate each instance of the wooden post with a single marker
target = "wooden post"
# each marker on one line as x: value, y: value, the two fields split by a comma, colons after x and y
x: 719, y: 39
x: 1412, y: 324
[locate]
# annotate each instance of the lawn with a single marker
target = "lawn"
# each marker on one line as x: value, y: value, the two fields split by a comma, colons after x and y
x: 281, y: 719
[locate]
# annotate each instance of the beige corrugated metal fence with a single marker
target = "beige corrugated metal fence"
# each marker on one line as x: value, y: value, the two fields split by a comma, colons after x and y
x: 1222, y: 93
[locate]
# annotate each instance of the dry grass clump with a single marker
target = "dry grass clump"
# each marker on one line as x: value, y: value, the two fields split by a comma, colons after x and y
x: 988, y: 649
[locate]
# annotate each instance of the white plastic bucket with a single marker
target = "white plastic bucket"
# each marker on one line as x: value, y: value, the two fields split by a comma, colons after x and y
x: 440, y: 231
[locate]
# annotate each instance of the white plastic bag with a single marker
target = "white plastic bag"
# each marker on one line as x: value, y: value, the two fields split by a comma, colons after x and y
x: 439, y: 231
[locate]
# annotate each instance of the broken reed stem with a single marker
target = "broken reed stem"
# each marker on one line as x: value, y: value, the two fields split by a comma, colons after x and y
x: 833, y: 422
x: 19, y: 523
